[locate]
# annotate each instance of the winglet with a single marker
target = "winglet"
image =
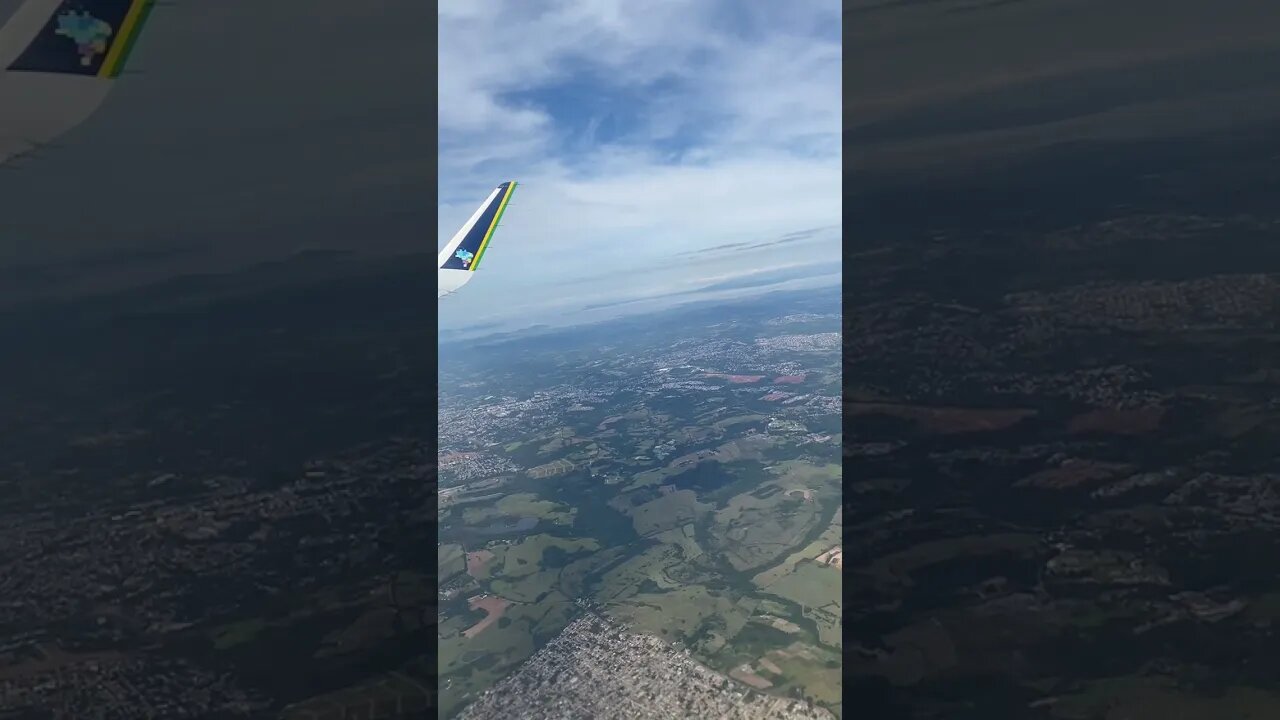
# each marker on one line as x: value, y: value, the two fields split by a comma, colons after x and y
x: 461, y: 256
x: 58, y: 61
x: 73, y: 37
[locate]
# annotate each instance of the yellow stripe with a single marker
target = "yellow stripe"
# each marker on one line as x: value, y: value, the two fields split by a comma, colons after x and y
x: 121, y: 43
x: 493, y: 225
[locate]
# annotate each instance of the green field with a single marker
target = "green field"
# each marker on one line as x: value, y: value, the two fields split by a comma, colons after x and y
x: 692, y: 516
x: 452, y: 561
x: 752, y: 531
x: 520, y: 505
x: 667, y: 512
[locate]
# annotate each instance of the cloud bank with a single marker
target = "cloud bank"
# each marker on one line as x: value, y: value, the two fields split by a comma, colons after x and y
x: 661, y: 147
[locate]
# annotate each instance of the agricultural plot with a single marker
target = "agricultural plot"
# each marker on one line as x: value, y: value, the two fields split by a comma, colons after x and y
x: 667, y: 512
x: 451, y: 560
x: 682, y: 537
x: 751, y: 531
x: 521, y: 505
x: 683, y: 613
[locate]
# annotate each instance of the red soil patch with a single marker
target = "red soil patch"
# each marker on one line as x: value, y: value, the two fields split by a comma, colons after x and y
x: 476, y: 560
x: 745, y: 675
x: 832, y: 558
x: 451, y: 458
x: 1131, y: 421
x: 792, y: 379
x: 740, y: 379
x: 775, y: 396
x: 491, y: 604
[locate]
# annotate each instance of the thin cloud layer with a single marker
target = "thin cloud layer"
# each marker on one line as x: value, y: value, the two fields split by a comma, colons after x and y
x: 642, y: 135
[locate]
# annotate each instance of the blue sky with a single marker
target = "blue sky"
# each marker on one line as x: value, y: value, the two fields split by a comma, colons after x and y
x: 665, y: 150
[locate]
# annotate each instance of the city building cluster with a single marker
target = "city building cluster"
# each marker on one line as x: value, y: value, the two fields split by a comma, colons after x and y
x: 597, y: 668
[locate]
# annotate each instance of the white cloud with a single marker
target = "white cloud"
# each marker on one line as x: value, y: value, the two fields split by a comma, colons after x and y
x: 741, y: 144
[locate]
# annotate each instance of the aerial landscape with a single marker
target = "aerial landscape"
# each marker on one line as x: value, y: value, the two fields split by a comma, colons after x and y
x: 243, y: 526
x: 651, y: 493
x: 218, y: 470
x: 235, y: 529
x: 1062, y: 485
x: 639, y: 510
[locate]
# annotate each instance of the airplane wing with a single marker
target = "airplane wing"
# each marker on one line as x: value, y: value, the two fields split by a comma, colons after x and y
x: 461, y: 256
x: 58, y: 61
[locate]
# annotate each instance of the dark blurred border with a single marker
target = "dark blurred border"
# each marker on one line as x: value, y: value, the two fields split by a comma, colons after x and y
x: 965, y: 113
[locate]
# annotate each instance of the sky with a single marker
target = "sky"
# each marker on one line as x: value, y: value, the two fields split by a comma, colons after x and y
x: 666, y: 151
x: 641, y: 132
